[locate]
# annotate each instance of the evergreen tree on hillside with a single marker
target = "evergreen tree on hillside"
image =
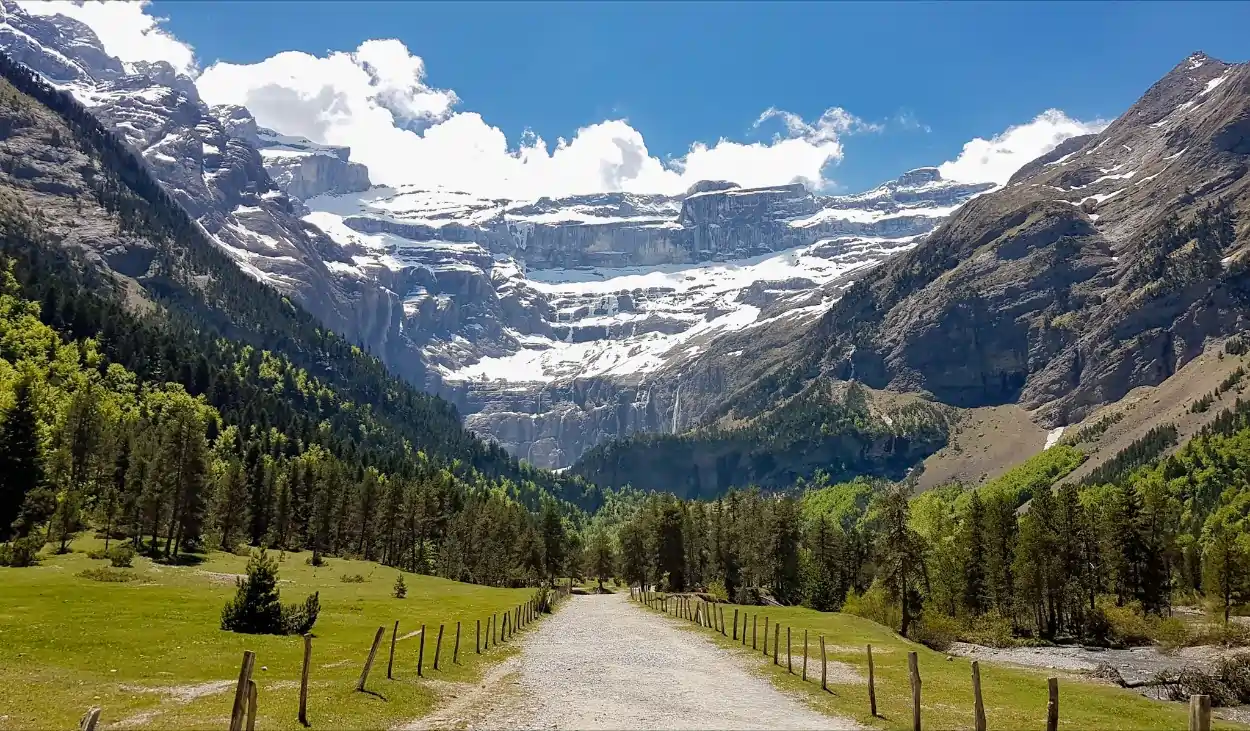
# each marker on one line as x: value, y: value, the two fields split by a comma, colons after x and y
x: 553, y: 537
x: 21, y: 464
x: 1226, y: 558
x: 972, y: 545
x: 901, y: 557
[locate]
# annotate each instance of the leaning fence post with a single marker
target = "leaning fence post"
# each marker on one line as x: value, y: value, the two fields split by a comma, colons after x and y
x: 978, y: 705
x: 479, y: 637
x: 251, y: 705
x: 89, y: 720
x: 735, y: 625
x: 804, y: 654
x: 421, y: 654
x: 1199, y: 713
x: 373, y: 651
x: 390, y: 662
x: 913, y: 667
x: 240, y: 690
x: 438, y: 646
x: 303, y: 681
x: 872, y: 685
x: 1052, y: 704
x: 455, y: 653
x: 824, y: 674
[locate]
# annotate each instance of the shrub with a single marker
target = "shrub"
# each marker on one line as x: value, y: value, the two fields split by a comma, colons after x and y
x: 352, y: 579
x: 98, y: 554
x: 121, y: 556
x: 1171, y: 633
x: 1233, y: 634
x: 717, y: 589
x: 21, y: 552
x: 543, y: 598
x: 937, y: 631
x: 400, y: 591
x: 255, y: 607
x: 874, y: 604
x: 107, y: 574
x: 297, y: 619
x: 1128, y: 624
x: 991, y: 630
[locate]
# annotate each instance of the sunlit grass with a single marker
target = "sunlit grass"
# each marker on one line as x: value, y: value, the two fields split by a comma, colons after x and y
x: 150, y: 648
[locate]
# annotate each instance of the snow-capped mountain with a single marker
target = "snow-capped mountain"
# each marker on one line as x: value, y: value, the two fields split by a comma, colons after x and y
x: 552, y: 324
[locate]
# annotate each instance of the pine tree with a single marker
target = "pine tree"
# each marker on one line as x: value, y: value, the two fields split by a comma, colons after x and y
x: 603, y: 557
x: 255, y: 607
x: 401, y: 590
x: 230, y: 503
x: 902, y: 559
x: 553, y: 536
x: 1226, y: 559
x: 973, y: 550
x: 21, y: 463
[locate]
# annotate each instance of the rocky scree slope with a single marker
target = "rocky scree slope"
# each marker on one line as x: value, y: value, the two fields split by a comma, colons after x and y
x: 1106, y: 264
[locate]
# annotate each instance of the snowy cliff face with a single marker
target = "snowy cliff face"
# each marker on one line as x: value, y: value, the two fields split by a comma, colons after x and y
x: 555, y: 324
x: 552, y: 324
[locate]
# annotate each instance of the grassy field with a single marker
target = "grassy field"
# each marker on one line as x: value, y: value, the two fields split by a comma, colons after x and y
x: 150, y: 651
x: 1014, y: 698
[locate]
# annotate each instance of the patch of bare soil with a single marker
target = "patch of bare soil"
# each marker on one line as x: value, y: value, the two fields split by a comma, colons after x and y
x: 985, y: 443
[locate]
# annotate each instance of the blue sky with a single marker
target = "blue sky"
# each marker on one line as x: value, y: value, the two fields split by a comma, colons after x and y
x: 681, y: 73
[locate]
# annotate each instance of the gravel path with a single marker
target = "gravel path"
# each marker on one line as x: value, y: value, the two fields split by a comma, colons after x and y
x: 602, y: 662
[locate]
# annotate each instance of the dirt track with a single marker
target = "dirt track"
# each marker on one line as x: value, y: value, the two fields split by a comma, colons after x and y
x: 604, y: 663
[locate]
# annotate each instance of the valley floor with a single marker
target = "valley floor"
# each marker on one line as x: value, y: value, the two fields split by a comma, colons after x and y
x: 602, y: 662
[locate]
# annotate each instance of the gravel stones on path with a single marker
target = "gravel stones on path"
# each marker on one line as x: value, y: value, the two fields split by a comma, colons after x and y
x: 602, y: 662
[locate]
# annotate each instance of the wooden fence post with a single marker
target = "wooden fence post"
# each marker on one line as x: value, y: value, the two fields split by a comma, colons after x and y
x: 455, y: 653
x: 303, y: 681
x: 373, y: 651
x: 89, y: 720
x: 240, y: 690
x: 824, y: 674
x: 754, y: 626
x: 913, y: 667
x: 765, y: 636
x: 390, y: 662
x: 721, y: 611
x: 1199, y: 713
x: 735, y: 625
x: 251, y: 705
x: 789, y: 657
x: 479, y: 637
x: 421, y: 654
x: 494, y: 632
x: 776, y: 641
x: 978, y: 705
x: 438, y: 646
x: 804, y: 654
x: 872, y: 685
x: 504, y: 632
x: 1052, y: 704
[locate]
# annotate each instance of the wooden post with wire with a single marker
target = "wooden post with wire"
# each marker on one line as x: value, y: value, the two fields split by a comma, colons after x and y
x: 373, y: 651
x: 438, y: 646
x: 303, y: 681
x: 978, y: 705
x: 421, y: 654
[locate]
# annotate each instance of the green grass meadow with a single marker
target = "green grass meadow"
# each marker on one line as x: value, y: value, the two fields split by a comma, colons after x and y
x: 151, y: 652
x: 1015, y: 698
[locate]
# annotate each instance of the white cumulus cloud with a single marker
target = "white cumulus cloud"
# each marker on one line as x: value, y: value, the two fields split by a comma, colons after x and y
x: 378, y: 101
x: 124, y: 27
x: 996, y: 159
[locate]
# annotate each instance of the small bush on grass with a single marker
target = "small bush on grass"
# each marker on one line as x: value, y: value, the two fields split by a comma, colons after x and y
x: 107, y: 574
x: 401, y: 590
x: 22, y: 552
x: 352, y: 579
x: 874, y: 604
x: 937, y: 631
x: 98, y: 554
x: 121, y: 556
x: 255, y: 607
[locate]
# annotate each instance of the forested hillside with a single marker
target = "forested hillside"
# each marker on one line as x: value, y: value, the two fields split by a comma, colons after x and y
x: 830, y: 428
x: 149, y: 388
x: 1102, y: 562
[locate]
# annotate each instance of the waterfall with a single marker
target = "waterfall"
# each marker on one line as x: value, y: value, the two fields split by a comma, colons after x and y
x: 676, y: 408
